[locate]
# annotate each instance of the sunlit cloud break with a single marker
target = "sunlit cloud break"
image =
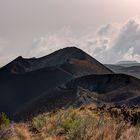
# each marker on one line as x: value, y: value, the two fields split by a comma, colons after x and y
x: 109, y: 44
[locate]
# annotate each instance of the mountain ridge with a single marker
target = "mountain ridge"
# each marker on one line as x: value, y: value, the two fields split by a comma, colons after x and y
x: 57, y: 58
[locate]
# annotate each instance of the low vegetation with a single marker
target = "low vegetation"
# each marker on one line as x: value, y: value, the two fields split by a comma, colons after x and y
x: 83, y: 123
x: 4, y: 119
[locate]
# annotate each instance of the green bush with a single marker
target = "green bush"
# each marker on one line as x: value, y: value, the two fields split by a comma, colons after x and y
x: 71, y: 126
x: 39, y: 122
x: 4, y: 120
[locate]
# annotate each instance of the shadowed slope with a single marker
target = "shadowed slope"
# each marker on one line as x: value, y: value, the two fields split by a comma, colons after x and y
x: 110, y: 88
x: 99, y: 89
x: 17, y: 90
x: 104, y: 83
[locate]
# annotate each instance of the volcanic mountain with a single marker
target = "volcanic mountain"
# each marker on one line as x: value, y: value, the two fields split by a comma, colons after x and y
x: 70, y: 59
x: 67, y: 77
x: 25, y: 79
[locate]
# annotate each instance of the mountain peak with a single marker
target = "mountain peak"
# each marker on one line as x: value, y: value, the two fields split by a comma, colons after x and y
x: 72, y: 48
x: 19, y: 57
x: 18, y: 65
x: 73, y: 57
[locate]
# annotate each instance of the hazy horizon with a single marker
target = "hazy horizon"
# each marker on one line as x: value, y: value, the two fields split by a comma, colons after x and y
x: 108, y: 30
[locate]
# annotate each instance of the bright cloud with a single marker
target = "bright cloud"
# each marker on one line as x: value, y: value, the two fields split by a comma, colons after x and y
x: 109, y: 44
x: 6, y: 53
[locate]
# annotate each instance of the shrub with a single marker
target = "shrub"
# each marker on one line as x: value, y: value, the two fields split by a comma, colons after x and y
x: 71, y: 127
x: 39, y: 122
x: 4, y: 120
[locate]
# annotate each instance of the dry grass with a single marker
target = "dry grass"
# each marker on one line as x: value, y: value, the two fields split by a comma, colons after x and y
x: 15, y: 132
x: 84, y: 123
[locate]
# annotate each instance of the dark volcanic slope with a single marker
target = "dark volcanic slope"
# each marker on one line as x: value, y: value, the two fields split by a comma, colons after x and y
x: 71, y: 59
x: 99, y: 89
x: 110, y: 88
x: 17, y: 90
x: 104, y: 83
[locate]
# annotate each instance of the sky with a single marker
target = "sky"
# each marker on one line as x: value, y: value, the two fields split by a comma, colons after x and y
x: 109, y: 30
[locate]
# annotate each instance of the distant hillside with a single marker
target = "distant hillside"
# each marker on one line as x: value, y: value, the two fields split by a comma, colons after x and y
x: 128, y: 63
x: 130, y: 69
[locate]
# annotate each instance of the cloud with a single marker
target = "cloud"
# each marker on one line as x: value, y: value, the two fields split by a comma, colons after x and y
x: 60, y: 39
x: 5, y: 55
x: 127, y: 43
x: 7, y: 51
x: 109, y: 44
x: 116, y: 42
x: 107, y: 30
